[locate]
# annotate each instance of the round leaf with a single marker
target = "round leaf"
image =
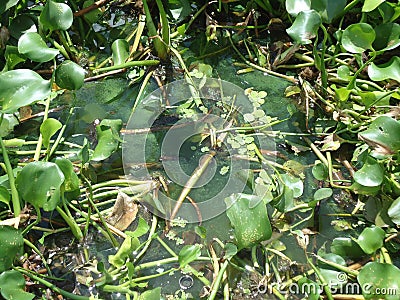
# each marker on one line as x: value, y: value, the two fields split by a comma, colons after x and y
x: 370, y: 5
x: 294, y: 7
x: 12, y: 244
x: 387, y: 36
x: 48, y: 128
x: 56, y: 16
x: 108, y: 137
x: 346, y: 247
x: 305, y: 27
x: 39, y: 184
x: 328, y: 9
x: 70, y: 75
x: 120, y: 51
x: 371, y: 173
x: 71, y: 182
x: 12, y: 286
x: 20, y: 88
x: 188, y: 254
x: 371, y: 239
x: 389, y: 70
x: 376, y: 277
x: 7, y: 4
x: 32, y: 46
x: 322, y: 193
x: 320, y: 171
x: 358, y: 37
x: 394, y: 211
x: 20, y: 25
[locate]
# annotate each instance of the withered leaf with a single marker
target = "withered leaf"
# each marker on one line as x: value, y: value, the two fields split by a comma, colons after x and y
x: 124, y: 212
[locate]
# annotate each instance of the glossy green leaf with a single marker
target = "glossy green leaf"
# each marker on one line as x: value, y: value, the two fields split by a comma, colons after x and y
x: 293, y: 183
x: 188, y: 254
x: 375, y: 98
x: 311, y: 288
x: 371, y: 174
x: 71, y: 180
x: 389, y: 70
x: 56, y: 16
x: 70, y: 75
x: 129, y: 245
x: 346, y: 247
x: 230, y: 250
x: 322, y: 193
x: 141, y: 229
x: 12, y: 244
x: 7, y: 4
x: 328, y: 9
x: 294, y: 7
x: 358, y: 37
x: 154, y: 294
x: 8, y: 124
x: 20, y: 88
x: 305, y: 27
x: 389, y: 11
x: 343, y: 72
x: 120, y: 51
x: 320, y: 171
x: 48, y: 128
x: 251, y: 225
x: 383, y: 135
x: 394, y: 211
x: 13, y: 57
x: 371, y: 239
x: 387, y: 36
x: 337, y: 259
x: 5, y: 196
x: 12, y: 286
x: 370, y: 5
x: 22, y: 24
x: 39, y: 184
x: 108, y: 139
x: 376, y: 277
x: 364, y: 190
x: 33, y: 47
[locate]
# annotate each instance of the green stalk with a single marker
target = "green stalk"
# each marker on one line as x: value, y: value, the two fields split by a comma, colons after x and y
x: 77, y: 232
x: 165, y: 34
x: 37, y: 251
x: 218, y: 280
x: 129, y: 64
x: 352, y: 83
x: 325, y: 284
x: 14, y: 193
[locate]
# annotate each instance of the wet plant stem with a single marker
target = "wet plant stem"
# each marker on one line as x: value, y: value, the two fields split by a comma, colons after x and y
x: 150, y: 238
x: 129, y: 64
x: 11, y: 179
x: 50, y: 285
x: 338, y: 266
x: 321, y: 278
x: 75, y: 229
x: 218, y: 280
x: 37, y: 251
x: 40, y: 140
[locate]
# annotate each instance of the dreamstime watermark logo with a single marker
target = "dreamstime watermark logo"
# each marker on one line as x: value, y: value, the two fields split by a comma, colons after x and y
x: 203, y: 136
x: 340, y: 285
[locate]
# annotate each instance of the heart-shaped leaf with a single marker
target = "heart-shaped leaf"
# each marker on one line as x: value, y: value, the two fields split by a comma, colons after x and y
x: 305, y: 27
x: 346, y: 247
x: 371, y: 239
x: 376, y: 277
x: 70, y: 75
x: 7, y: 4
x: 328, y: 9
x: 48, y: 128
x: 32, y: 46
x: 322, y: 193
x: 294, y: 7
x: 371, y: 173
x: 20, y: 88
x: 71, y: 180
x: 12, y: 286
x: 370, y: 5
x: 188, y: 254
x: 389, y: 70
x: 251, y: 225
x: 320, y: 171
x: 358, y: 37
x: 293, y: 183
x: 12, y: 244
x: 39, y: 184
x: 108, y: 137
x: 383, y: 135
x: 20, y: 25
x: 387, y: 36
x: 56, y: 16
x: 394, y: 211
x: 119, y: 259
x: 120, y: 51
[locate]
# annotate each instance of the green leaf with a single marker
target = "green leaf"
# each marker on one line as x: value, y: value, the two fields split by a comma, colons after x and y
x: 389, y: 70
x: 371, y: 174
x: 141, y: 229
x: 7, y: 4
x: 305, y: 27
x: 328, y: 9
x: 387, y: 36
x: 179, y: 9
x: 20, y: 88
x: 22, y: 24
x: 251, y: 225
x: 8, y: 124
x: 13, y: 57
x: 129, y: 244
x: 383, y: 135
x: 346, y: 247
x: 322, y: 193
x: 4, y: 195
x: 374, y: 98
x: 70, y: 75
x: 188, y: 254
x: 394, y: 211
x: 120, y: 51
x: 358, y: 37
x: 108, y: 139
x: 371, y: 239
x: 39, y: 184
x: 230, y: 250
x: 48, y: 128
x: 154, y: 294
x: 311, y: 288
x: 56, y: 16
x: 12, y: 244
x: 375, y: 276
x: 320, y: 171
x: 33, y: 46
x: 71, y: 180
x: 294, y: 7
x: 12, y: 286
x: 370, y: 5
x: 293, y: 183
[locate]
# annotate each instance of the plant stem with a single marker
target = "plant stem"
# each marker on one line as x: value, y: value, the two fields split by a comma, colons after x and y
x: 14, y: 193
x: 129, y: 64
x: 218, y: 280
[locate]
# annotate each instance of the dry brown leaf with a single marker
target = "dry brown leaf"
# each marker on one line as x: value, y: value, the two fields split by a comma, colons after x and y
x: 124, y: 212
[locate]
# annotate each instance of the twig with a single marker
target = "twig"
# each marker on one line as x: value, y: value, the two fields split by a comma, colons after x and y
x: 88, y: 9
